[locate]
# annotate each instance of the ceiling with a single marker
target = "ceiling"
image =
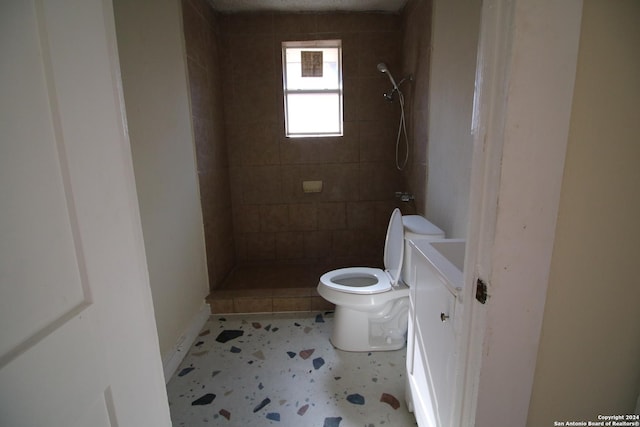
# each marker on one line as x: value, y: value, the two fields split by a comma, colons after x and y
x: 390, y: 6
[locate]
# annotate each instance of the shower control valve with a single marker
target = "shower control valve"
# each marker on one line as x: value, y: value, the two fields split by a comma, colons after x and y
x: 404, y: 196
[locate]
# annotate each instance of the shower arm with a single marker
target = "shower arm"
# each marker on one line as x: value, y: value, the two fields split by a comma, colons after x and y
x: 396, y: 87
x: 409, y: 77
x: 382, y: 67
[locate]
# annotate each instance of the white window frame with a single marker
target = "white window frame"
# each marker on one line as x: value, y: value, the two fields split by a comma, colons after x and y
x: 313, y: 44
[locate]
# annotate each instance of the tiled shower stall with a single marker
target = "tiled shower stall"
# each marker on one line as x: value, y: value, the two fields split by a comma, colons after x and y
x: 267, y: 241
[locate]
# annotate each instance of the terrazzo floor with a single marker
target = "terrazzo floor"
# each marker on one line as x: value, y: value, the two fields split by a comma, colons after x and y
x: 281, y: 369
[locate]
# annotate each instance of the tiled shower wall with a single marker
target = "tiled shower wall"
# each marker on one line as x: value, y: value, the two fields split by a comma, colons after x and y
x: 207, y: 107
x: 274, y: 221
x: 416, y: 49
x: 251, y: 175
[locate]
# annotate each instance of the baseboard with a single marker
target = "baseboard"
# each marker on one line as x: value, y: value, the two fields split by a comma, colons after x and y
x: 172, y: 359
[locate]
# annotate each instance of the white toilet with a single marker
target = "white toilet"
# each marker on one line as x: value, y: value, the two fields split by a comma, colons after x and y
x: 371, y: 303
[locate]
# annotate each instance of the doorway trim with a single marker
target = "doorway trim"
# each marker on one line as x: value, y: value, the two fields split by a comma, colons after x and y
x: 527, y: 56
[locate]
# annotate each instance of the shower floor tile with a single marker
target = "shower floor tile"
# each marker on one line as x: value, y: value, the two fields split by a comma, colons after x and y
x: 270, y: 288
x: 281, y: 369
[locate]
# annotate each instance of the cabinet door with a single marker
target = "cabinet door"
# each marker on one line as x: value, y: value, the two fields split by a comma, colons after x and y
x: 411, y: 329
x: 435, y: 340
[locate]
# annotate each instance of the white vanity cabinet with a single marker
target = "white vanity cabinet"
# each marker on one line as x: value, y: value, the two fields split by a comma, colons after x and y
x: 431, y: 343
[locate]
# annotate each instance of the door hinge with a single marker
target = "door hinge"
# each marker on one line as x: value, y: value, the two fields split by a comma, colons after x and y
x: 481, y: 291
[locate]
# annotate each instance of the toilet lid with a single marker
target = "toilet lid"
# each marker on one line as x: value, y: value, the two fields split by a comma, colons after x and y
x: 394, y: 247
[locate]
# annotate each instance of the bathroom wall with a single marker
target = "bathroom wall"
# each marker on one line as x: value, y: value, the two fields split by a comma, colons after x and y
x: 450, y: 97
x: 274, y: 221
x: 589, y: 349
x: 150, y: 45
x: 202, y: 40
x: 416, y: 55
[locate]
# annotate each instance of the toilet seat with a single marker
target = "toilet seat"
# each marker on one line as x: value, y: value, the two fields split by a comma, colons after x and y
x: 357, y: 280
x: 366, y: 280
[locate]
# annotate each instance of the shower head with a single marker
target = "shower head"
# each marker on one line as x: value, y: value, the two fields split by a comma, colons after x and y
x: 382, y: 67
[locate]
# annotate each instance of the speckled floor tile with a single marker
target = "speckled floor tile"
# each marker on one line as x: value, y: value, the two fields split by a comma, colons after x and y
x: 281, y: 369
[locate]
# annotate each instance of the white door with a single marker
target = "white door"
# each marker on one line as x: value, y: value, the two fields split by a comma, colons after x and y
x: 78, y: 344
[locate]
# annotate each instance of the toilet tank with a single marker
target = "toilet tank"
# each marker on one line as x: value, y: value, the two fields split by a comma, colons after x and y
x: 416, y: 227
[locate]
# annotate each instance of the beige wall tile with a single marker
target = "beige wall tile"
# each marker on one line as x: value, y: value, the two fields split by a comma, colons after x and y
x: 221, y: 306
x: 274, y: 217
x: 260, y: 246
x: 246, y: 218
x: 266, y: 169
x: 303, y: 216
x: 289, y: 245
x: 261, y: 185
x: 332, y: 216
x: 292, y: 304
x: 360, y: 215
x: 203, y: 66
x: 377, y: 141
x: 253, y: 145
x: 252, y: 305
x: 292, y: 292
x: 317, y: 244
x: 295, y: 23
x: 319, y: 303
x: 252, y: 56
x: 379, y: 182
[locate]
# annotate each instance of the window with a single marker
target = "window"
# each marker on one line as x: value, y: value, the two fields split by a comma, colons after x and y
x: 312, y: 78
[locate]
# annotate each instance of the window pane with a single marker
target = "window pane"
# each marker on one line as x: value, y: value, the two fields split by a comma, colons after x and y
x: 313, y: 113
x: 313, y: 103
x: 330, y: 69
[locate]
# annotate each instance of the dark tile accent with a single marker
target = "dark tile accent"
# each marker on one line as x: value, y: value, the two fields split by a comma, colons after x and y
x: 204, y: 400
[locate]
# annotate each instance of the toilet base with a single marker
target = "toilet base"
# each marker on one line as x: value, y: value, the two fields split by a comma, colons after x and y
x: 386, y: 330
